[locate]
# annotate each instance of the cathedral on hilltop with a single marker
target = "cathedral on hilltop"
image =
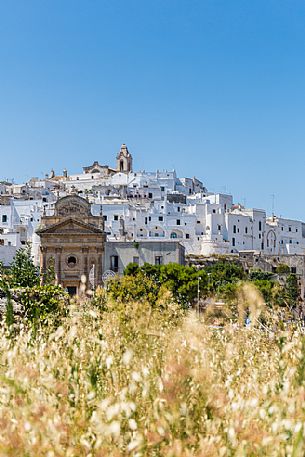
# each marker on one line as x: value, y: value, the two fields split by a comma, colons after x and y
x: 124, y: 164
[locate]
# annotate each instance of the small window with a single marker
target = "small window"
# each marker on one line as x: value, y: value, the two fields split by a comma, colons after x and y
x: 246, y: 230
x: 187, y: 236
x: 160, y: 218
x: 4, y: 218
x: 178, y: 209
x: 115, y: 217
x: 145, y: 220
x: 214, y: 211
x: 114, y: 263
x: 233, y: 241
x: 293, y: 270
x: 234, y: 228
x: 105, y: 217
x: 158, y: 260
x: 150, y: 195
x: 178, y: 222
x: 162, y: 188
x: 218, y: 227
x: 289, y: 229
x: 260, y: 225
x: 71, y: 261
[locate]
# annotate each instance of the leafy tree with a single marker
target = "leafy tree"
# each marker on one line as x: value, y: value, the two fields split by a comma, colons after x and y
x: 134, y: 288
x: 49, y: 277
x: 40, y: 302
x: 267, y: 289
x: 292, y: 293
x: 23, y: 272
x: 282, y: 268
x: 260, y: 275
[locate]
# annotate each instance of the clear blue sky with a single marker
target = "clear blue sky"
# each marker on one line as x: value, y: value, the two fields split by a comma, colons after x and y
x: 212, y: 88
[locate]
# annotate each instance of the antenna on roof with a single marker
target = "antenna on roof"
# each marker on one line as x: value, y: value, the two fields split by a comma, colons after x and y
x: 273, y: 202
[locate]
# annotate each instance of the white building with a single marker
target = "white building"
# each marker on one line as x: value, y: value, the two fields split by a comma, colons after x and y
x: 140, y: 205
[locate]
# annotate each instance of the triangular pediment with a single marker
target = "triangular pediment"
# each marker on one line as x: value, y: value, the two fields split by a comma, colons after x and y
x: 71, y: 226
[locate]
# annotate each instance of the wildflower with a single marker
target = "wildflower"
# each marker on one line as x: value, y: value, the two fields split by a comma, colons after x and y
x: 127, y: 357
x: 109, y: 361
x: 132, y: 424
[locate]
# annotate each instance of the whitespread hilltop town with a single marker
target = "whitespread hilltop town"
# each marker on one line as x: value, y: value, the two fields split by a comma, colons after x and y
x: 155, y: 217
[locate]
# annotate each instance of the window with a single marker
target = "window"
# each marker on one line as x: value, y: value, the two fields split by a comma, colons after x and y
x: 293, y: 270
x: 233, y: 241
x: 234, y: 228
x: 174, y: 235
x: 178, y: 209
x: 158, y: 260
x: 162, y: 188
x: 150, y: 195
x: 260, y: 226
x: 4, y: 218
x: 246, y: 229
x: 145, y: 220
x: 198, y: 222
x: 115, y: 217
x: 160, y: 218
x: 114, y: 263
x: 105, y: 217
x: 214, y: 211
x: 187, y: 236
x: 178, y: 222
x: 71, y: 261
x: 289, y: 229
x: 218, y: 227
x: 149, y: 218
x: 136, y: 260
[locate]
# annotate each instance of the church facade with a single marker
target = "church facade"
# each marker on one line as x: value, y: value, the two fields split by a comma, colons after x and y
x: 73, y: 240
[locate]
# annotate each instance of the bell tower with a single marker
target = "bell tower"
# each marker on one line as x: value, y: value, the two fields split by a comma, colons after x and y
x: 124, y: 160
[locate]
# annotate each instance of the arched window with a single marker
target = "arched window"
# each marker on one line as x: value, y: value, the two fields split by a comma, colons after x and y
x: 174, y: 235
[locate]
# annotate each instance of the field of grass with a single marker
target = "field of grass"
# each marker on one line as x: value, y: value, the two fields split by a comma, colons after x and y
x: 137, y: 380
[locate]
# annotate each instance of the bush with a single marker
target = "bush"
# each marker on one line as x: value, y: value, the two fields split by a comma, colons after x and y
x: 42, y: 302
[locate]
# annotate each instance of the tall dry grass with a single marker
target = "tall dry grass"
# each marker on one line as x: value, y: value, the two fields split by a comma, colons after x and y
x: 141, y: 381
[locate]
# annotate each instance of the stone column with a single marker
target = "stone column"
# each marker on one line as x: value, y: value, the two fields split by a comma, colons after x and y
x: 43, y: 263
x: 58, y: 277
x: 99, y: 269
x: 85, y: 264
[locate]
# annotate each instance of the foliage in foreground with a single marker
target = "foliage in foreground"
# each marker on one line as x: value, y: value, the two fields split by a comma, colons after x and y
x: 134, y: 379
